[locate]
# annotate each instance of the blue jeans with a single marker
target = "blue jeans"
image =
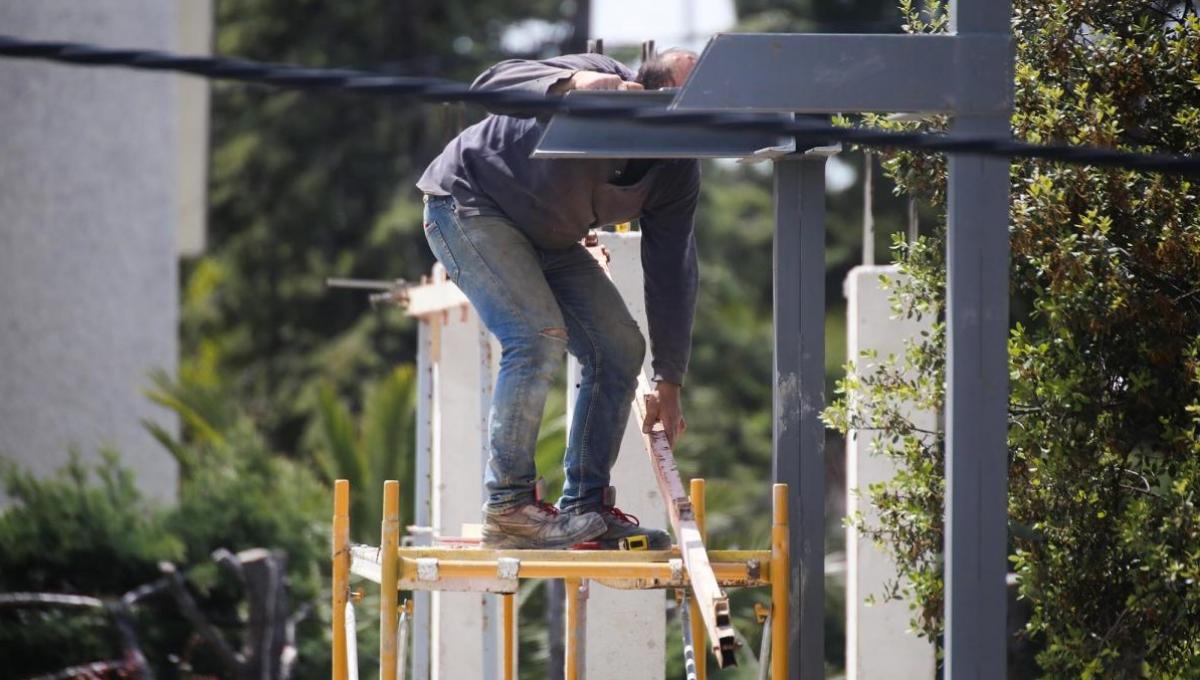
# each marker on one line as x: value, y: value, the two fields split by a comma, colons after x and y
x: 538, y: 303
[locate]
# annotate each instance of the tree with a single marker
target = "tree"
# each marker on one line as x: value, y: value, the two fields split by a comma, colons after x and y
x: 1105, y: 378
x: 304, y: 187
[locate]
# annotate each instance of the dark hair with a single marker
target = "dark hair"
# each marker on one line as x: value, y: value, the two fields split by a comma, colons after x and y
x: 656, y: 73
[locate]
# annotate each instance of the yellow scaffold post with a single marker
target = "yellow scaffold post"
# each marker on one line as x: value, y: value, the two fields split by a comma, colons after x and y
x: 389, y: 547
x: 780, y: 583
x: 510, y: 635
x: 696, y: 493
x: 341, y: 574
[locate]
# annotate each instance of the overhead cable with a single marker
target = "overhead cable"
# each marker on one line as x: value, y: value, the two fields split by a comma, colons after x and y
x: 806, y: 131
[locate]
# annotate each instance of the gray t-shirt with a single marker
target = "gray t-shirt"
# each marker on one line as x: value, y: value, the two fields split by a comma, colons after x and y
x: 488, y: 170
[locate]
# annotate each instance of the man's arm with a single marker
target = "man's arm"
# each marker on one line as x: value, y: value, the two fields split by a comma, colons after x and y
x: 553, y: 76
x: 671, y: 271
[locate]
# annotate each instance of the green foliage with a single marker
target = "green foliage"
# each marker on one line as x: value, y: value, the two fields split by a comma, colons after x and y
x: 380, y: 446
x: 56, y: 524
x: 89, y: 531
x: 304, y: 187
x: 1105, y: 382
x: 81, y: 531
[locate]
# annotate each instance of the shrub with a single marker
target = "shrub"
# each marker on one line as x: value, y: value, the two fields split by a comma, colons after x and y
x: 1105, y: 377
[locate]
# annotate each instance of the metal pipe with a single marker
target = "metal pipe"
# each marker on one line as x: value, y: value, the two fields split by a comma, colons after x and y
x: 402, y: 644
x: 764, y: 649
x: 868, y: 245
x: 690, y: 664
x: 389, y: 544
x: 779, y: 586
x: 351, y: 630
x: 914, y: 220
x: 697, y: 493
x: 340, y: 555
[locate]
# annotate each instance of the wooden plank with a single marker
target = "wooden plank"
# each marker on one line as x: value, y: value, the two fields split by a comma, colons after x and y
x: 711, y: 601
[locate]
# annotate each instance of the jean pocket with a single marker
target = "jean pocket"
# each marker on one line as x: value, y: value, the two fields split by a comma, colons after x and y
x: 437, y: 243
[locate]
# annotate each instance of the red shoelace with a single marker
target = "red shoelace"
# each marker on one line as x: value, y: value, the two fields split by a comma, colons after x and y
x: 546, y: 508
x: 628, y: 519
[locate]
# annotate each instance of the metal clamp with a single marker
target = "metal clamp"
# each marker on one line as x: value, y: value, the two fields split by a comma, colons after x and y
x: 676, y: 566
x: 427, y: 569
x: 508, y: 568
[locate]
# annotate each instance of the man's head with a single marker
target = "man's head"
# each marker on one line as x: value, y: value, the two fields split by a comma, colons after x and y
x: 669, y: 69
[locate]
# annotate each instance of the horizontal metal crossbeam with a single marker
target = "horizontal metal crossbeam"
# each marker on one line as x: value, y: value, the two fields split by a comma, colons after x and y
x: 476, y: 569
x: 581, y: 137
x: 755, y: 72
x: 805, y: 132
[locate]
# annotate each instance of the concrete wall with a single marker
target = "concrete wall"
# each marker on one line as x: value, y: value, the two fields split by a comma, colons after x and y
x: 877, y: 646
x: 89, y: 213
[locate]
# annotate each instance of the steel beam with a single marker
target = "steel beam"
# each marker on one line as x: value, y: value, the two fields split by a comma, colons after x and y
x: 798, y: 453
x: 977, y: 371
x: 976, y: 410
x: 576, y: 137
x: 830, y: 73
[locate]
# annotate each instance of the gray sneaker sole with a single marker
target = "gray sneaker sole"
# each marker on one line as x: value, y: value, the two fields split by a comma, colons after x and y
x: 494, y: 539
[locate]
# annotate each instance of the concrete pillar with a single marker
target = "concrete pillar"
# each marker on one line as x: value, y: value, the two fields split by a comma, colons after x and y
x: 877, y: 645
x: 460, y: 627
x: 89, y: 212
x: 626, y: 629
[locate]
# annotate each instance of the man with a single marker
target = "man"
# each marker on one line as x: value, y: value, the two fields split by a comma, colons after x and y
x: 507, y: 229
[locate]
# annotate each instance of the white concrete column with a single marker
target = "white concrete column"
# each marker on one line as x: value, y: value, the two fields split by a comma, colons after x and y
x: 626, y: 629
x: 877, y: 644
x: 458, y: 619
x: 90, y: 172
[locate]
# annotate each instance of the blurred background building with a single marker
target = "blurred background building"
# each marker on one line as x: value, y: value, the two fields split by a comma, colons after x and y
x: 102, y: 189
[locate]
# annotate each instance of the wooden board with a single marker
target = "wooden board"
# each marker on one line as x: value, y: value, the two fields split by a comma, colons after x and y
x: 712, y: 602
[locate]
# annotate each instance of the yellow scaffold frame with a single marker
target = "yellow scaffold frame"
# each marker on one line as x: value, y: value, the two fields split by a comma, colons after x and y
x: 398, y: 568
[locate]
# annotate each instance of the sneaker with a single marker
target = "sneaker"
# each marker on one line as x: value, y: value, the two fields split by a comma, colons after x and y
x: 539, y: 525
x: 625, y: 532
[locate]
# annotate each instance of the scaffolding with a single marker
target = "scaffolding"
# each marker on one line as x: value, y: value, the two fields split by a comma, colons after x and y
x: 459, y: 564
x: 455, y: 566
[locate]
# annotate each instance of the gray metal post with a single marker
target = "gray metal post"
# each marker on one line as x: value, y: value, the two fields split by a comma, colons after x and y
x: 868, y: 219
x: 798, y: 396
x: 422, y: 513
x: 977, y: 379
x: 492, y: 633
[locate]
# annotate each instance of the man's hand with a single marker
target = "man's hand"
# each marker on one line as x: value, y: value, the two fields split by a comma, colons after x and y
x: 663, y: 406
x: 590, y: 80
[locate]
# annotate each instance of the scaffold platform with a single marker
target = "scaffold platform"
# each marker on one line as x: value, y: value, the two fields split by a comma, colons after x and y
x: 465, y: 568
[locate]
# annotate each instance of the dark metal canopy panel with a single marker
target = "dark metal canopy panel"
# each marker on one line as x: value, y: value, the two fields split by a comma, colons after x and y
x: 833, y: 73
x: 577, y: 137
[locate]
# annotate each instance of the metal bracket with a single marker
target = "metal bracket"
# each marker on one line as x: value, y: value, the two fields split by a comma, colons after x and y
x: 580, y: 137
x: 832, y: 73
x: 508, y: 567
x: 427, y: 569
